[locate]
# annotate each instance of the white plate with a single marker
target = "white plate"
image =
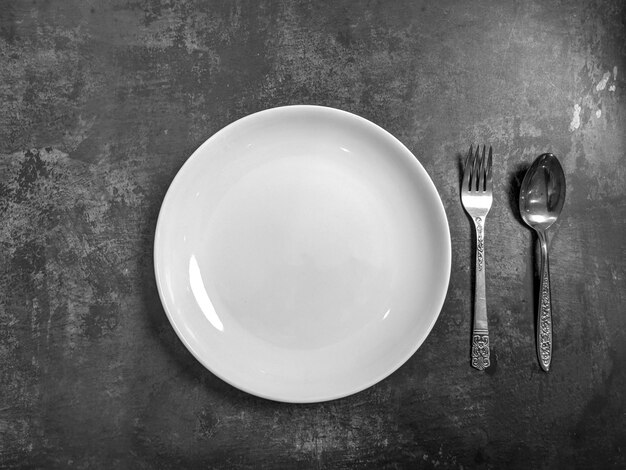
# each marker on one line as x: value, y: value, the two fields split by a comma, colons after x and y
x: 302, y: 254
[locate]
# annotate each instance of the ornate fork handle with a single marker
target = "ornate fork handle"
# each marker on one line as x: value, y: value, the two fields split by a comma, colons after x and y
x: 481, y: 358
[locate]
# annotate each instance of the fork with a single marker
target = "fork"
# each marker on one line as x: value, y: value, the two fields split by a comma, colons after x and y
x: 477, y: 196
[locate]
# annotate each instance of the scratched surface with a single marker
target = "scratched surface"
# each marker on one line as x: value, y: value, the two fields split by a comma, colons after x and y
x: 101, y: 102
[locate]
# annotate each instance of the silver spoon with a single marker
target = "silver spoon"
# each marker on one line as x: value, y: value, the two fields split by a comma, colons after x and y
x: 541, y: 199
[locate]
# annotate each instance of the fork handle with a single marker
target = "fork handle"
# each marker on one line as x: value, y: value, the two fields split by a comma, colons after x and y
x: 480, y: 332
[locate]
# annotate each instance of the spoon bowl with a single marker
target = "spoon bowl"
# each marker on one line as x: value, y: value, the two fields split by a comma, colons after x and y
x: 542, y: 193
x: 541, y: 199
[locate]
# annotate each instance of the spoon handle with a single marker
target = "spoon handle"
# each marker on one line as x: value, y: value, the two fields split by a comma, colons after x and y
x: 544, y: 308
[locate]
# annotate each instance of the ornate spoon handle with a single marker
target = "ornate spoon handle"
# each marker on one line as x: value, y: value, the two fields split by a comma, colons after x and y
x: 544, y: 308
x: 480, y: 331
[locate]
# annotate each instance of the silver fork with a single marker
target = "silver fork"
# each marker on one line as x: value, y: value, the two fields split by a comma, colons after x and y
x: 476, y: 196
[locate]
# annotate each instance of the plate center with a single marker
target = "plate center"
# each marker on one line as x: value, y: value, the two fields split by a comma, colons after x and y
x: 300, y: 252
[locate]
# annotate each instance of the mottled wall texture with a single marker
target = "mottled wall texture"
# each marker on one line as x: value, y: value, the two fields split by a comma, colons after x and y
x: 101, y: 102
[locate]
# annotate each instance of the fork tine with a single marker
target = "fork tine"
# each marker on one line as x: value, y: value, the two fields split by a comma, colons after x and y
x: 488, y: 184
x: 481, y: 173
x: 467, y: 170
x: 476, y: 170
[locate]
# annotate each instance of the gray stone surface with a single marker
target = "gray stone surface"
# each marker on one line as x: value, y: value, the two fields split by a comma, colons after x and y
x: 101, y: 102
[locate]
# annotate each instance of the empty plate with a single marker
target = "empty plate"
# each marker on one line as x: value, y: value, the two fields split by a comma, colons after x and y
x: 302, y: 254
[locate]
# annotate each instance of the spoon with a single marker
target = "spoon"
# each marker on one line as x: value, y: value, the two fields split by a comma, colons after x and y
x: 541, y: 199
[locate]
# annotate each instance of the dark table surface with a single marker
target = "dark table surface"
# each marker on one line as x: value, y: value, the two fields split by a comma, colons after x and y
x: 101, y: 102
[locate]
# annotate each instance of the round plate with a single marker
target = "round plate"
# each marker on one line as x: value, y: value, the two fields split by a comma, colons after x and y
x: 302, y: 254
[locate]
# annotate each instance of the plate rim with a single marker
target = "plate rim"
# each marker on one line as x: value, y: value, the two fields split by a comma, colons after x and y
x: 446, y: 248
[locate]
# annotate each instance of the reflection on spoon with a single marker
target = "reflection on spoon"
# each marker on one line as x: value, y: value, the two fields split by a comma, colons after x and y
x: 200, y: 293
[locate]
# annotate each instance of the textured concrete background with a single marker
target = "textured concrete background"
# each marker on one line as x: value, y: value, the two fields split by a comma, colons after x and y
x: 101, y: 102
